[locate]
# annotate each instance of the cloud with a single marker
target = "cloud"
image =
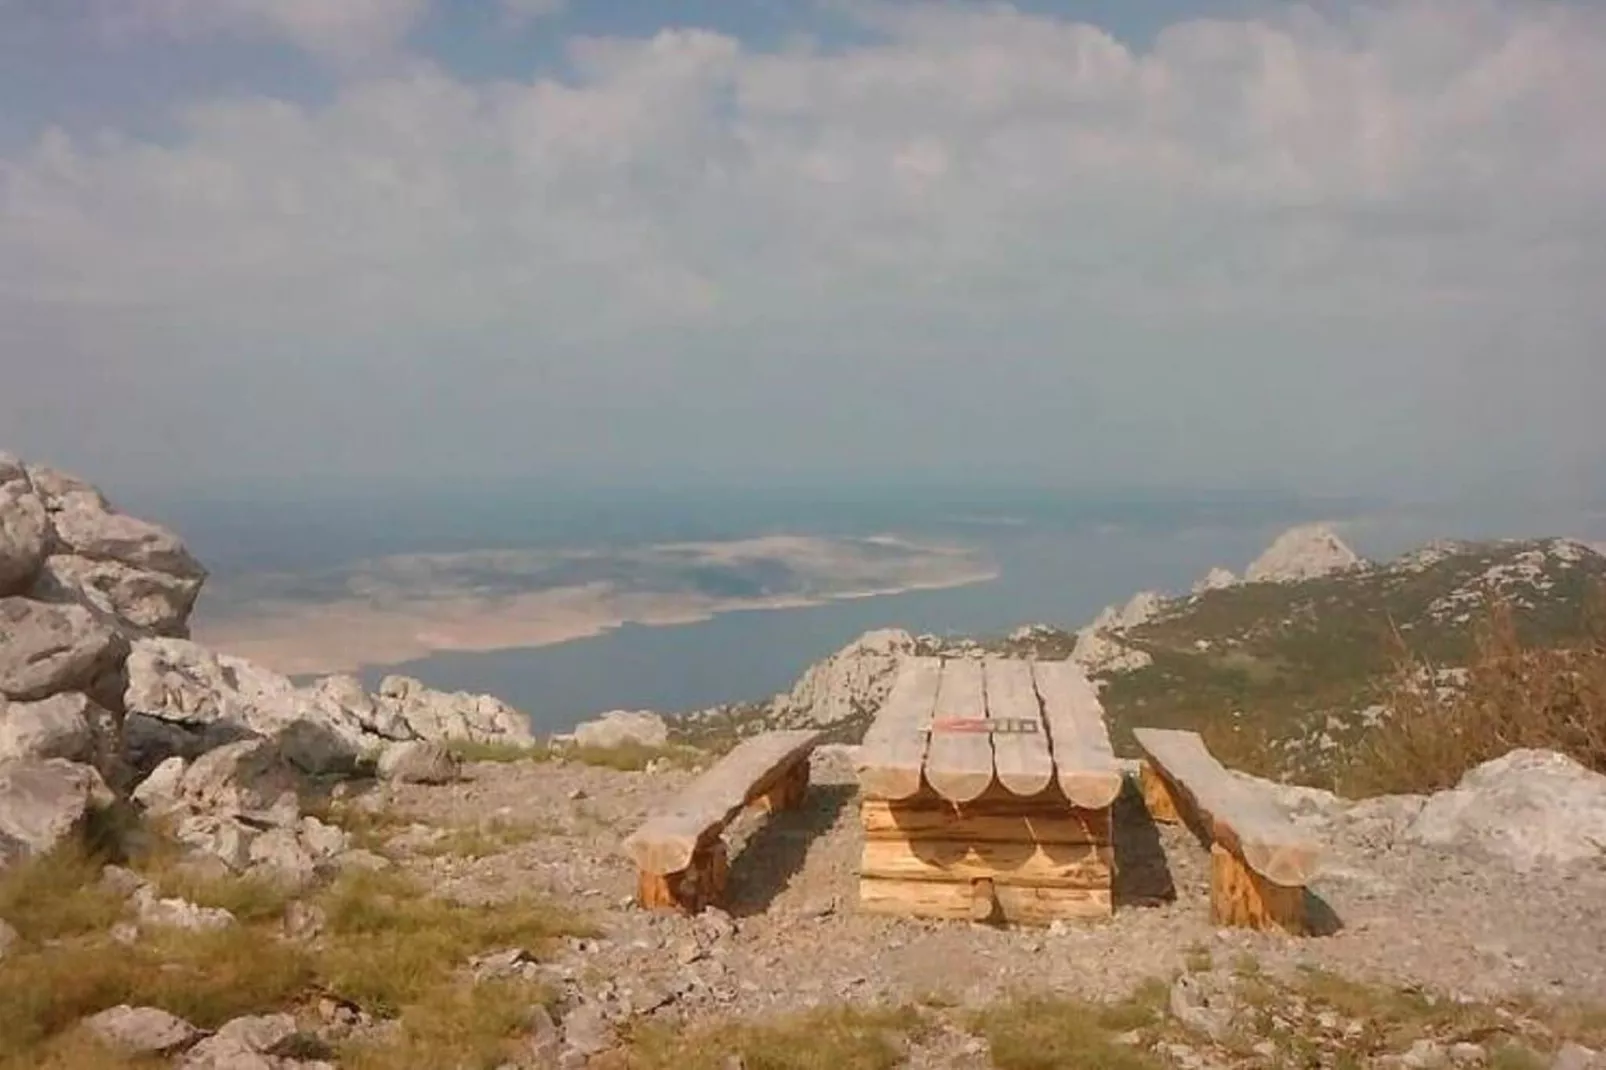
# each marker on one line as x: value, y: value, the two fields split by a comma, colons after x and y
x: 336, y: 30
x: 1286, y: 248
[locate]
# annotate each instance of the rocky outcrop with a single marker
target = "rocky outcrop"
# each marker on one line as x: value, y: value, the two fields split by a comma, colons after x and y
x: 1217, y: 579
x: 1528, y: 809
x: 1102, y: 652
x: 42, y: 802
x: 1307, y: 552
x: 183, y: 697
x: 79, y: 581
x: 623, y: 728
x: 851, y: 683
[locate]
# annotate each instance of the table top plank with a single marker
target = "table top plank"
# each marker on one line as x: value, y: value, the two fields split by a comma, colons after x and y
x: 894, y: 747
x: 1022, y: 759
x: 959, y: 764
x: 1083, y: 757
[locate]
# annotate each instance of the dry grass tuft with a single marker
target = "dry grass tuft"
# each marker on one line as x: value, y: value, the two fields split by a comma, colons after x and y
x: 1047, y: 1033
x: 493, y: 837
x: 1515, y: 696
x: 389, y: 945
x: 836, y: 1038
x: 58, y: 895
x: 475, y: 751
x: 473, y: 1027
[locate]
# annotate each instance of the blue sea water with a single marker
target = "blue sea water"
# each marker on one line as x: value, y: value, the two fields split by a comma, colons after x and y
x: 1061, y: 557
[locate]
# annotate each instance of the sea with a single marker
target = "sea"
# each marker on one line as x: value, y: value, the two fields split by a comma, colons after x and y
x: 1060, y: 556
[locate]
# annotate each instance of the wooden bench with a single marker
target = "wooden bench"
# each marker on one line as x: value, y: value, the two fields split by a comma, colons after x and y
x: 680, y: 853
x: 1259, y: 862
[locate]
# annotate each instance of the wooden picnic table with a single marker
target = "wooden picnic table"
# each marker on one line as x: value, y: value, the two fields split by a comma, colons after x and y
x: 987, y: 785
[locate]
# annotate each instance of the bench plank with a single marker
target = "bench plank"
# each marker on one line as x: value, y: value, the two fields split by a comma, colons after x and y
x: 1240, y: 819
x: 1083, y: 758
x: 1022, y: 759
x: 894, y: 748
x: 959, y: 765
x: 670, y: 837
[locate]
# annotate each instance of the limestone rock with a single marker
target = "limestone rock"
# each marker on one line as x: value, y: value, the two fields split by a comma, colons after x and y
x: 442, y: 715
x: 141, y: 1030
x: 1578, y: 1057
x: 852, y: 682
x: 48, y: 649
x: 623, y: 728
x: 1100, y: 652
x: 159, y: 792
x: 160, y: 913
x: 62, y: 726
x: 1530, y: 809
x: 419, y: 762
x: 24, y: 535
x: 248, y: 777
x: 1217, y: 579
x: 1306, y: 552
x: 263, y: 1042
x: 42, y: 802
x: 154, y: 602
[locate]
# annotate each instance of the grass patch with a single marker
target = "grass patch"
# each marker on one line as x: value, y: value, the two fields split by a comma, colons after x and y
x: 388, y: 945
x: 635, y: 757
x: 476, y: 751
x: 206, y: 978
x: 456, y: 1024
x: 368, y: 829
x: 58, y: 895
x: 836, y: 1038
x: 1050, y: 1033
x: 490, y: 838
x: 1516, y: 695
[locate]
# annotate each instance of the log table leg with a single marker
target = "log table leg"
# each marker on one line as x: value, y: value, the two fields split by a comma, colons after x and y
x: 699, y: 885
x: 1242, y: 898
x: 1157, y: 797
x: 789, y: 791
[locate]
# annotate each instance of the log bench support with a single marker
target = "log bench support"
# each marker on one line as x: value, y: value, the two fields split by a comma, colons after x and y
x: 1260, y: 863
x: 680, y: 855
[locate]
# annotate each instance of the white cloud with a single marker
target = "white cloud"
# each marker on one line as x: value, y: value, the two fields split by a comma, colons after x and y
x: 337, y: 30
x: 1249, y: 212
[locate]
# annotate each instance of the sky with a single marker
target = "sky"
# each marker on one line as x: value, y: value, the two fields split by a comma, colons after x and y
x: 1335, y: 247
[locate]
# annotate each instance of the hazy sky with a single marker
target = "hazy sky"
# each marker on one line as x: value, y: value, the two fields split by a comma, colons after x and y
x: 1347, y: 247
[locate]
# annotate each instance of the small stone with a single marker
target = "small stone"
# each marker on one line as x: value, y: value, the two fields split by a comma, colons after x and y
x: 303, y: 920
x: 1577, y: 1057
x: 1424, y: 1055
x: 586, y: 1030
x: 142, y: 1030
x: 577, y: 794
x: 1468, y: 1054
x: 121, y: 881
x: 124, y: 932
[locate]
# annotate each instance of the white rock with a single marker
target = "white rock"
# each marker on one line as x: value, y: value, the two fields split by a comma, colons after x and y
x: 419, y: 762
x: 24, y: 535
x: 43, y: 802
x: 175, y: 913
x: 159, y: 792
x: 1098, y: 651
x: 1216, y: 579
x: 621, y: 728
x: 1303, y: 553
x: 248, y: 777
x: 1529, y: 809
x: 66, y: 726
x: 48, y: 649
x: 1578, y: 1057
x: 852, y: 682
x: 141, y: 1030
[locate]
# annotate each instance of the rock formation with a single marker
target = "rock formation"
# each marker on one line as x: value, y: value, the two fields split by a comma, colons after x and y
x: 1216, y: 579
x: 853, y: 682
x: 623, y: 728
x: 1527, y: 809
x: 1307, y: 552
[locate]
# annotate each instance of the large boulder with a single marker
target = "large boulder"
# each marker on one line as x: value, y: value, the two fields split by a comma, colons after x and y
x: 48, y: 649
x: 443, y: 715
x: 42, y: 803
x: 420, y: 762
x: 623, y: 728
x: 853, y: 682
x: 250, y: 777
x: 1306, y: 552
x: 136, y: 573
x: 24, y: 530
x: 69, y: 725
x: 1530, y: 809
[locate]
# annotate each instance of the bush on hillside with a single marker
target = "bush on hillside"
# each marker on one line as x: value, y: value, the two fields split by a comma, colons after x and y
x: 1514, y: 695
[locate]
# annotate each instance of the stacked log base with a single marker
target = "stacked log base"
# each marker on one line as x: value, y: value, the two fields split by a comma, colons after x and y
x: 702, y: 884
x: 1002, y: 858
x: 1242, y: 898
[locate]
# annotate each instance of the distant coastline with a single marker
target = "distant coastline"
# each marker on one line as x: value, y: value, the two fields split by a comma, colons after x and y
x: 391, y: 610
